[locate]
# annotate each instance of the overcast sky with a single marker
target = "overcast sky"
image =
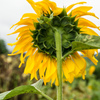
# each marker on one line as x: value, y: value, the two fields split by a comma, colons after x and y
x: 12, y: 10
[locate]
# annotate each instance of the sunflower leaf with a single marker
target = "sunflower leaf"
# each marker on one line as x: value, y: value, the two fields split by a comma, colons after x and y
x: 84, y: 42
x: 34, y: 88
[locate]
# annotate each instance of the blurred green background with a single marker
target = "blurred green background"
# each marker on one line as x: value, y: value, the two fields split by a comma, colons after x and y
x: 11, y: 76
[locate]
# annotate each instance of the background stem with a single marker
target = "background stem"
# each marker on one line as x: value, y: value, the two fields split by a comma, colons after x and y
x: 59, y: 64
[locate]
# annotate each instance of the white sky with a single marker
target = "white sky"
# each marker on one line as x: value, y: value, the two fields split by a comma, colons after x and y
x: 12, y: 10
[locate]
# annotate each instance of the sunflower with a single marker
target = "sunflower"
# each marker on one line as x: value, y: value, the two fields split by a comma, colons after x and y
x: 36, y: 39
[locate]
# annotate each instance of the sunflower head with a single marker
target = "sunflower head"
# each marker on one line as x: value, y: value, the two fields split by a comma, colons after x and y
x: 37, y: 39
x: 44, y: 33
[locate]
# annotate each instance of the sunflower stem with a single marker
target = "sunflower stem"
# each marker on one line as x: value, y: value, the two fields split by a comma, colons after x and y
x: 59, y: 63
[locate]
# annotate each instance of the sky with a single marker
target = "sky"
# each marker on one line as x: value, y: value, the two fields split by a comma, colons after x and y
x: 12, y: 10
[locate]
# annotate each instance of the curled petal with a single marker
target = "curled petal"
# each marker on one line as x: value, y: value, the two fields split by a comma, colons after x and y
x: 80, y: 14
x: 30, y: 16
x: 88, y: 31
x: 90, y: 55
x: 81, y: 8
x: 84, y: 22
x: 71, y: 6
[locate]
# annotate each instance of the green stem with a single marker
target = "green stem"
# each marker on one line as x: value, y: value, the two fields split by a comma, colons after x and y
x: 59, y: 63
x: 48, y: 98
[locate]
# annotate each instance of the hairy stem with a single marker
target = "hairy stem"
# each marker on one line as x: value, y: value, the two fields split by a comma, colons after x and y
x: 59, y: 63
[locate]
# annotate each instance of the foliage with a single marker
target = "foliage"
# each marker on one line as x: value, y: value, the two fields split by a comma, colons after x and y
x: 3, y: 49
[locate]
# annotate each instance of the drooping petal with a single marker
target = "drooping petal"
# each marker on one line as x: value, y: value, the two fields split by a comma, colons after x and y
x: 22, y: 29
x: 84, y: 22
x: 26, y: 33
x: 80, y: 14
x: 26, y: 21
x: 44, y: 6
x: 90, y: 55
x: 68, y: 69
x: 80, y: 9
x: 30, y: 63
x: 30, y: 16
x: 51, y: 69
x: 80, y: 63
x: 91, y: 70
x: 71, y: 6
x: 52, y: 4
x: 37, y: 9
x: 88, y: 31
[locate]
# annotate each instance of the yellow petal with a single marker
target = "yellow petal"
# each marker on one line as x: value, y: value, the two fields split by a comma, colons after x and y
x: 22, y: 29
x: 69, y: 7
x: 68, y: 72
x: 26, y: 21
x: 30, y: 63
x: 71, y: 78
x: 80, y: 13
x: 27, y: 33
x: 96, y: 50
x: 85, y: 22
x: 44, y: 6
x: 29, y: 51
x: 81, y: 8
x: 88, y: 31
x: 53, y: 77
x: 31, y: 16
x: 52, y: 4
x: 21, y: 45
x: 37, y: 60
x: 70, y: 65
x: 57, y: 11
x: 79, y: 61
x: 43, y: 66
x: 65, y: 70
x: 37, y: 9
x: 56, y: 82
x: 51, y: 69
x: 12, y: 44
x: 91, y: 70
x: 90, y: 55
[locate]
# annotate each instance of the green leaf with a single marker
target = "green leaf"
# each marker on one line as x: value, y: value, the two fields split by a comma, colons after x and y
x: 34, y: 88
x: 84, y: 42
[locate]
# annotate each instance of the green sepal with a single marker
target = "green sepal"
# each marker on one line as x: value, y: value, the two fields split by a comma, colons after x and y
x: 63, y: 13
x: 47, y: 45
x: 40, y: 46
x: 44, y: 25
x: 73, y: 19
x: 55, y: 21
x: 37, y: 25
x: 68, y: 28
x: 40, y: 39
x: 66, y: 44
x: 76, y: 22
x: 65, y: 20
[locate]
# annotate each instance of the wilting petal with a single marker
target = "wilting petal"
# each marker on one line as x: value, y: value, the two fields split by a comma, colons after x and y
x: 71, y: 6
x: 89, y: 31
x: 90, y: 55
x: 84, y: 22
